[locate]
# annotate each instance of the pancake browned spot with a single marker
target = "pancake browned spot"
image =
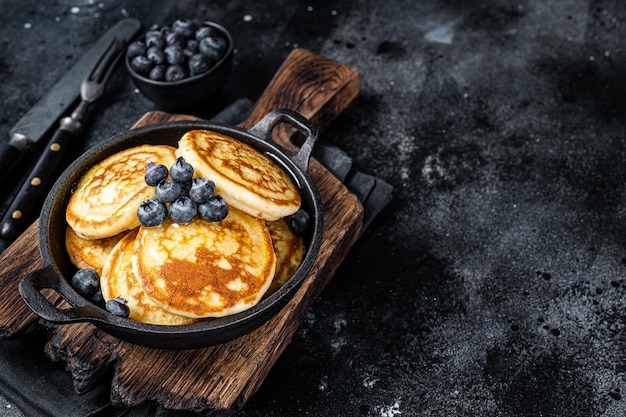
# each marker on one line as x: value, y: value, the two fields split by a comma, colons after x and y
x: 92, y: 253
x: 106, y: 198
x: 205, y: 269
x: 244, y: 177
x: 118, y: 280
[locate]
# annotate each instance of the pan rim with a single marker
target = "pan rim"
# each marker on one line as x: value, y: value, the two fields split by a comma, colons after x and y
x: 248, y: 319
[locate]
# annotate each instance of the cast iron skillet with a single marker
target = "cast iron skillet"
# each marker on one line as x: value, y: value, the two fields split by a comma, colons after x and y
x: 57, y: 269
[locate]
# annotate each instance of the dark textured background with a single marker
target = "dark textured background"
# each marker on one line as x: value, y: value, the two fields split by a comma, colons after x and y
x: 493, y: 284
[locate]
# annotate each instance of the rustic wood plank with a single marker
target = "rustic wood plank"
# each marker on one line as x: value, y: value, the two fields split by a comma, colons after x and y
x: 316, y: 87
x: 21, y: 258
x: 227, y: 375
x: 223, y: 376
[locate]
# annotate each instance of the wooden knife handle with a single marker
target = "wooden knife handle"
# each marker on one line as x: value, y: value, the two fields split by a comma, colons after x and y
x: 29, y: 199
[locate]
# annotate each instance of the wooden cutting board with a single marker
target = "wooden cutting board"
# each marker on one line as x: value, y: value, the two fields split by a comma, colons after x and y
x: 224, y: 376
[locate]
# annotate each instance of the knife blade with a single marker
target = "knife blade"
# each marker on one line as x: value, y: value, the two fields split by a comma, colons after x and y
x: 40, y: 120
x: 29, y: 199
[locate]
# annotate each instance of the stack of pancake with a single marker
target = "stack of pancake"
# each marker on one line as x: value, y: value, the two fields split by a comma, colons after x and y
x: 179, y: 273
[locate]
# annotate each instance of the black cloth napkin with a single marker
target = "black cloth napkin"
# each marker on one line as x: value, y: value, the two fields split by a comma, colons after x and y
x: 40, y: 388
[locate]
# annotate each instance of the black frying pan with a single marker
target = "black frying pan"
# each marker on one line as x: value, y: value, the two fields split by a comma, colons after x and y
x: 58, y: 270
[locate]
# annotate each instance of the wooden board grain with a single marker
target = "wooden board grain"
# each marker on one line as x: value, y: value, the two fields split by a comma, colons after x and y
x: 18, y: 260
x: 223, y: 376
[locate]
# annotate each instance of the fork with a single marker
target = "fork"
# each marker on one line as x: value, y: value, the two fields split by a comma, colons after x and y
x: 29, y: 199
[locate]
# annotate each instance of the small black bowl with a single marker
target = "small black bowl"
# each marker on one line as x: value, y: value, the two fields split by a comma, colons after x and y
x: 191, y: 92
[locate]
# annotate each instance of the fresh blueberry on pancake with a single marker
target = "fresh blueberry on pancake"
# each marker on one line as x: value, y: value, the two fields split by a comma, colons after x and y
x: 118, y: 307
x: 182, y: 210
x: 213, y: 210
x: 107, y: 197
x: 181, y: 171
x: 168, y: 191
x: 201, y: 190
x: 155, y: 173
x: 86, y: 281
x: 245, y: 178
x: 151, y: 212
x: 299, y: 221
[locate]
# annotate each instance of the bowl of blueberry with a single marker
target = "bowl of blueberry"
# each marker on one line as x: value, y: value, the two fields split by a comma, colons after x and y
x: 183, y: 65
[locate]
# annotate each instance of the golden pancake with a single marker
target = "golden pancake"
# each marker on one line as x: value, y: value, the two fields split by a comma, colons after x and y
x: 118, y: 280
x: 245, y: 178
x: 205, y: 269
x: 289, y: 250
x: 106, y: 198
x: 89, y: 253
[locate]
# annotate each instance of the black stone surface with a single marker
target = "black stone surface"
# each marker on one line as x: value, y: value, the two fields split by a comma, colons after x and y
x: 493, y: 284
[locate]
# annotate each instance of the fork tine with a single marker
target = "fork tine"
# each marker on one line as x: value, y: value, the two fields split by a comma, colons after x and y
x: 93, y: 85
x: 105, y: 64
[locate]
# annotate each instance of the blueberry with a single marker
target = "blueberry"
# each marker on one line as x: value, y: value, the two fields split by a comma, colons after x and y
x: 157, y: 73
x: 212, y: 47
x: 86, y: 281
x: 154, y: 31
x: 155, y: 173
x: 214, y: 210
x: 156, y: 55
x: 165, y: 30
x: 190, y: 49
x: 97, y: 297
x: 118, y: 307
x: 136, y: 48
x: 299, y: 221
x: 175, y: 38
x: 201, y: 190
x: 192, y: 45
x: 175, y: 73
x: 182, y: 210
x: 155, y: 38
x: 141, y: 64
x: 151, y: 212
x: 174, y: 54
x: 181, y: 171
x: 185, y: 187
x: 205, y: 31
x: 198, y: 64
x: 168, y: 191
x: 188, y: 53
x: 185, y: 27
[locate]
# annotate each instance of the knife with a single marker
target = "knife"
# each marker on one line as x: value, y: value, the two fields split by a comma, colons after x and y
x: 43, y: 116
x: 28, y: 200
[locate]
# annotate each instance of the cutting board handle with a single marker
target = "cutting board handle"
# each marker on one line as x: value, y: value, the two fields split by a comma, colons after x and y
x: 237, y: 368
x: 335, y: 86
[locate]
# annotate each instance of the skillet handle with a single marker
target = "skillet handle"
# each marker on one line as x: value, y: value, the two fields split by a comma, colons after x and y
x: 263, y: 130
x: 30, y: 289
